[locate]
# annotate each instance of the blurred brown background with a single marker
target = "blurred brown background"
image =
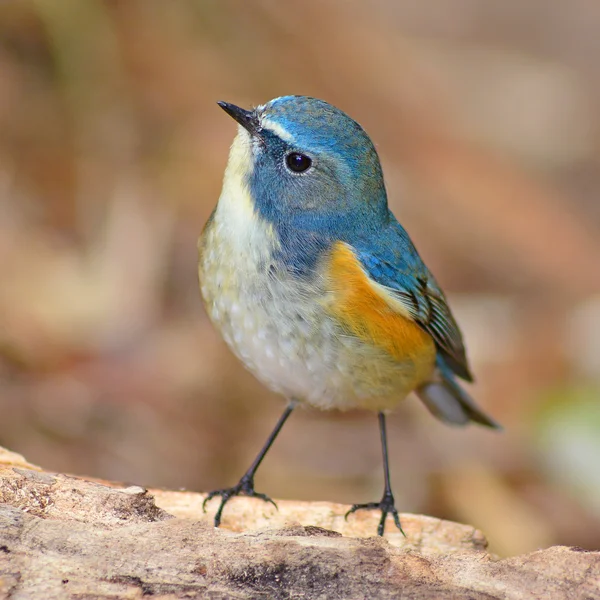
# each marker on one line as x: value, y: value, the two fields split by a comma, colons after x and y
x: 112, y: 149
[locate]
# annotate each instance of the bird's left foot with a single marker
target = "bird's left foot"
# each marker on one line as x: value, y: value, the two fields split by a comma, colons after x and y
x: 386, y: 506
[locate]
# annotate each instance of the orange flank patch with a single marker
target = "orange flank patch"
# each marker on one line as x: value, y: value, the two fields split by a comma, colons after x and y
x: 362, y: 307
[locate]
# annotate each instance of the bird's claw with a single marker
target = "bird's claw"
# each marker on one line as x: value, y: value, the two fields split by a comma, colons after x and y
x: 386, y: 506
x: 244, y: 488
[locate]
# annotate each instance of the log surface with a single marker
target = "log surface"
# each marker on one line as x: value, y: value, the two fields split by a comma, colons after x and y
x: 69, y: 537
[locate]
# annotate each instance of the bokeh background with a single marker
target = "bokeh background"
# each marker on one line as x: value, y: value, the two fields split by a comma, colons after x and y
x: 487, y: 119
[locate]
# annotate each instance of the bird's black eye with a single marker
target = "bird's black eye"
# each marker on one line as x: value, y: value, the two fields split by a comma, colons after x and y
x: 298, y: 162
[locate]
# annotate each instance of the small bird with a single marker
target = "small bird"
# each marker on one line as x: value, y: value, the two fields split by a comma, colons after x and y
x: 317, y: 288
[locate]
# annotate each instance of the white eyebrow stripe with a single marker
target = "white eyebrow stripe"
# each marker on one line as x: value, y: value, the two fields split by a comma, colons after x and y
x: 277, y: 129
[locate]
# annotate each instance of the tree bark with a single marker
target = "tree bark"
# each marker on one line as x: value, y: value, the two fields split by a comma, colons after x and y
x: 68, y: 537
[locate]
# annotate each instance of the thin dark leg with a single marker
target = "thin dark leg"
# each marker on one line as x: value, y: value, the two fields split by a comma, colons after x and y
x: 386, y: 506
x: 384, y: 450
x: 245, y: 487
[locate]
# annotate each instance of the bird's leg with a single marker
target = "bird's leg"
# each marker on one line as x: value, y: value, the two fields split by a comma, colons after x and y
x: 245, y: 486
x: 386, y: 506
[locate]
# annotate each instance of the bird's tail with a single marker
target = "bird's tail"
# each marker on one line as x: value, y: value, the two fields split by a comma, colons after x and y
x: 447, y: 401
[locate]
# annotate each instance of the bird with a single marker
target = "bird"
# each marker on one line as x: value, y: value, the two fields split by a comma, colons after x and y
x: 317, y: 288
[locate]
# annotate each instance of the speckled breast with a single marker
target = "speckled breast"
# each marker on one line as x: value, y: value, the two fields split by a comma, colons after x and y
x: 277, y: 323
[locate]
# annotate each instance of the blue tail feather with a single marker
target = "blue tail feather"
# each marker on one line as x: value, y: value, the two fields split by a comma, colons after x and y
x: 447, y: 401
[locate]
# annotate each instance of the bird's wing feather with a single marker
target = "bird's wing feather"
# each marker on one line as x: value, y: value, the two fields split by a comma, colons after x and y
x: 406, y: 279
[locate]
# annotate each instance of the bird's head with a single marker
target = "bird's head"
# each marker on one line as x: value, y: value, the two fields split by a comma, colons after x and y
x: 303, y: 160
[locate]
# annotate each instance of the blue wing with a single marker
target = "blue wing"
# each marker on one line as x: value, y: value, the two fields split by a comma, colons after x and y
x: 395, y: 263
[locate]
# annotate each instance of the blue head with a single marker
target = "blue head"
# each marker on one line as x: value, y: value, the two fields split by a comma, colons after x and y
x: 311, y: 163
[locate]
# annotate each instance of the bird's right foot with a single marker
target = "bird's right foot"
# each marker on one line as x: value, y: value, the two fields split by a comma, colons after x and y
x: 245, y: 487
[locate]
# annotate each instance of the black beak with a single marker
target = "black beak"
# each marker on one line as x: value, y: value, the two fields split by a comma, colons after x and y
x: 246, y: 118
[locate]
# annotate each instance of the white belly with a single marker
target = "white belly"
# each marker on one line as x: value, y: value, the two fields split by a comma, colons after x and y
x: 278, y: 326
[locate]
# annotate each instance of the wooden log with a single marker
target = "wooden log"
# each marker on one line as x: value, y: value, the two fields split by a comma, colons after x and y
x: 65, y: 537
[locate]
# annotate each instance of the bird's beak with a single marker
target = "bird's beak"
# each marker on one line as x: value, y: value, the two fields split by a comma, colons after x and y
x: 246, y: 118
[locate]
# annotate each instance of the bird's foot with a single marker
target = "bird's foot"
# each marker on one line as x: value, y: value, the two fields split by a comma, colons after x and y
x: 244, y: 488
x: 386, y: 506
